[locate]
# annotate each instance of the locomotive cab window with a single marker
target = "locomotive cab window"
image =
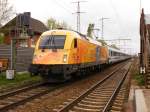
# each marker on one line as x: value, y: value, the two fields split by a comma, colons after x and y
x: 52, y: 42
x: 75, y: 43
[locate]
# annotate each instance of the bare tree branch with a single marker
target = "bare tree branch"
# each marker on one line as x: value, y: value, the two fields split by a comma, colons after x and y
x: 6, y: 11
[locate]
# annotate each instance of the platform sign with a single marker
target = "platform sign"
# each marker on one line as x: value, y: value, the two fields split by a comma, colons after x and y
x: 142, y: 70
x: 9, y: 74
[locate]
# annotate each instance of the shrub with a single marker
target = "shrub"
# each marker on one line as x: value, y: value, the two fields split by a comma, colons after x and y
x: 139, y: 78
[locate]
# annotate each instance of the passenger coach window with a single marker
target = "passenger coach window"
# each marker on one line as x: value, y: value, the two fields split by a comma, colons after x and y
x: 52, y: 42
x: 75, y: 43
x: 111, y: 53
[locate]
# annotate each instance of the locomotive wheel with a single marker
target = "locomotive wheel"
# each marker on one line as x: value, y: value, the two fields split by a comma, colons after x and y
x: 67, y: 76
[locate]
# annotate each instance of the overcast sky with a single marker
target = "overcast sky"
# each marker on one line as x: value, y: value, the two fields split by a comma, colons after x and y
x: 123, y: 15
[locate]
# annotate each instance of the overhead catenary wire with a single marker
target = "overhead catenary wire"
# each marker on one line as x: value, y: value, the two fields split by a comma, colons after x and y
x: 63, y: 7
x: 116, y: 15
x: 60, y: 4
x: 121, y: 26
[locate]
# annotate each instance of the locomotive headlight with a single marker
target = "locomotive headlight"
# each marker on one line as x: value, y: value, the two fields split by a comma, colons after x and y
x: 65, y: 58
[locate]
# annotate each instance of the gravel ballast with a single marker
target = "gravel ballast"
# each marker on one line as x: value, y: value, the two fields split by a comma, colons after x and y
x: 52, y: 100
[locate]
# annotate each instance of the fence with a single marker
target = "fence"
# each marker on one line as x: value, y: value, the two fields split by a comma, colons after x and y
x: 24, y: 56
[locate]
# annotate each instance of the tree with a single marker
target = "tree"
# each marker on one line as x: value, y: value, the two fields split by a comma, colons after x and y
x: 6, y: 11
x: 53, y: 24
x: 90, y: 30
x: 102, y: 41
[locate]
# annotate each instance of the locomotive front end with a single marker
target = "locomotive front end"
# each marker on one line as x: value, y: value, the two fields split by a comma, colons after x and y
x: 51, y: 56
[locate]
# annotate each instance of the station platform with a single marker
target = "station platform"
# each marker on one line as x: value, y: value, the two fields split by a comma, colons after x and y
x: 139, y: 100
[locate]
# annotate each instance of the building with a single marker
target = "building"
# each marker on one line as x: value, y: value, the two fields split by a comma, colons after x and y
x: 23, y: 25
x: 145, y: 47
x: 144, y: 40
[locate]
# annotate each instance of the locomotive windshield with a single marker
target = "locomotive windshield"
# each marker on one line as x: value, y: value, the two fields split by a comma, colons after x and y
x: 52, y: 42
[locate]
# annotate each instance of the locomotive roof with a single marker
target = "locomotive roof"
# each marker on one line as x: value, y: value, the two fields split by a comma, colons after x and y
x: 94, y: 41
x: 77, y: 35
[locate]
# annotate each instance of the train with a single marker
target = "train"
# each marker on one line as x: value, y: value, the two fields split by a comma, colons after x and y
x: 60, y: 54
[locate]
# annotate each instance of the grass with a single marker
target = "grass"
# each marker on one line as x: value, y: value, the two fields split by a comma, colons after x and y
x: 19, y: 80
x: 139, y: 78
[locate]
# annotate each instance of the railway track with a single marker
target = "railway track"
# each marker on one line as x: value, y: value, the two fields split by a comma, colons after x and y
x: 18, y: 97
x: 100, y: 97
x: 21, y: 96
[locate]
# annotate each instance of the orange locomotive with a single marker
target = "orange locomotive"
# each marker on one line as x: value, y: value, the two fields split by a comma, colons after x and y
x: 60, y: 53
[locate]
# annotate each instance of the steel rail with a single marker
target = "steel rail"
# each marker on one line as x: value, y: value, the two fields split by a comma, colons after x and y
x: 28, y: 98
x: 109, y: 103
x: 78, y: 99
x: 24, y: 100
x: 4, y: 95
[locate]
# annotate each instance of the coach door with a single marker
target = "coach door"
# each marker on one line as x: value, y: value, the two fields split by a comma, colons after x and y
x: 97, y: 54
x: 77, y: 45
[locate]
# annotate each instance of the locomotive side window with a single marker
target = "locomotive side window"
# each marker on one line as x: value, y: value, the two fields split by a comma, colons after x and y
x: 75, y: 43
x: 52, y: 42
